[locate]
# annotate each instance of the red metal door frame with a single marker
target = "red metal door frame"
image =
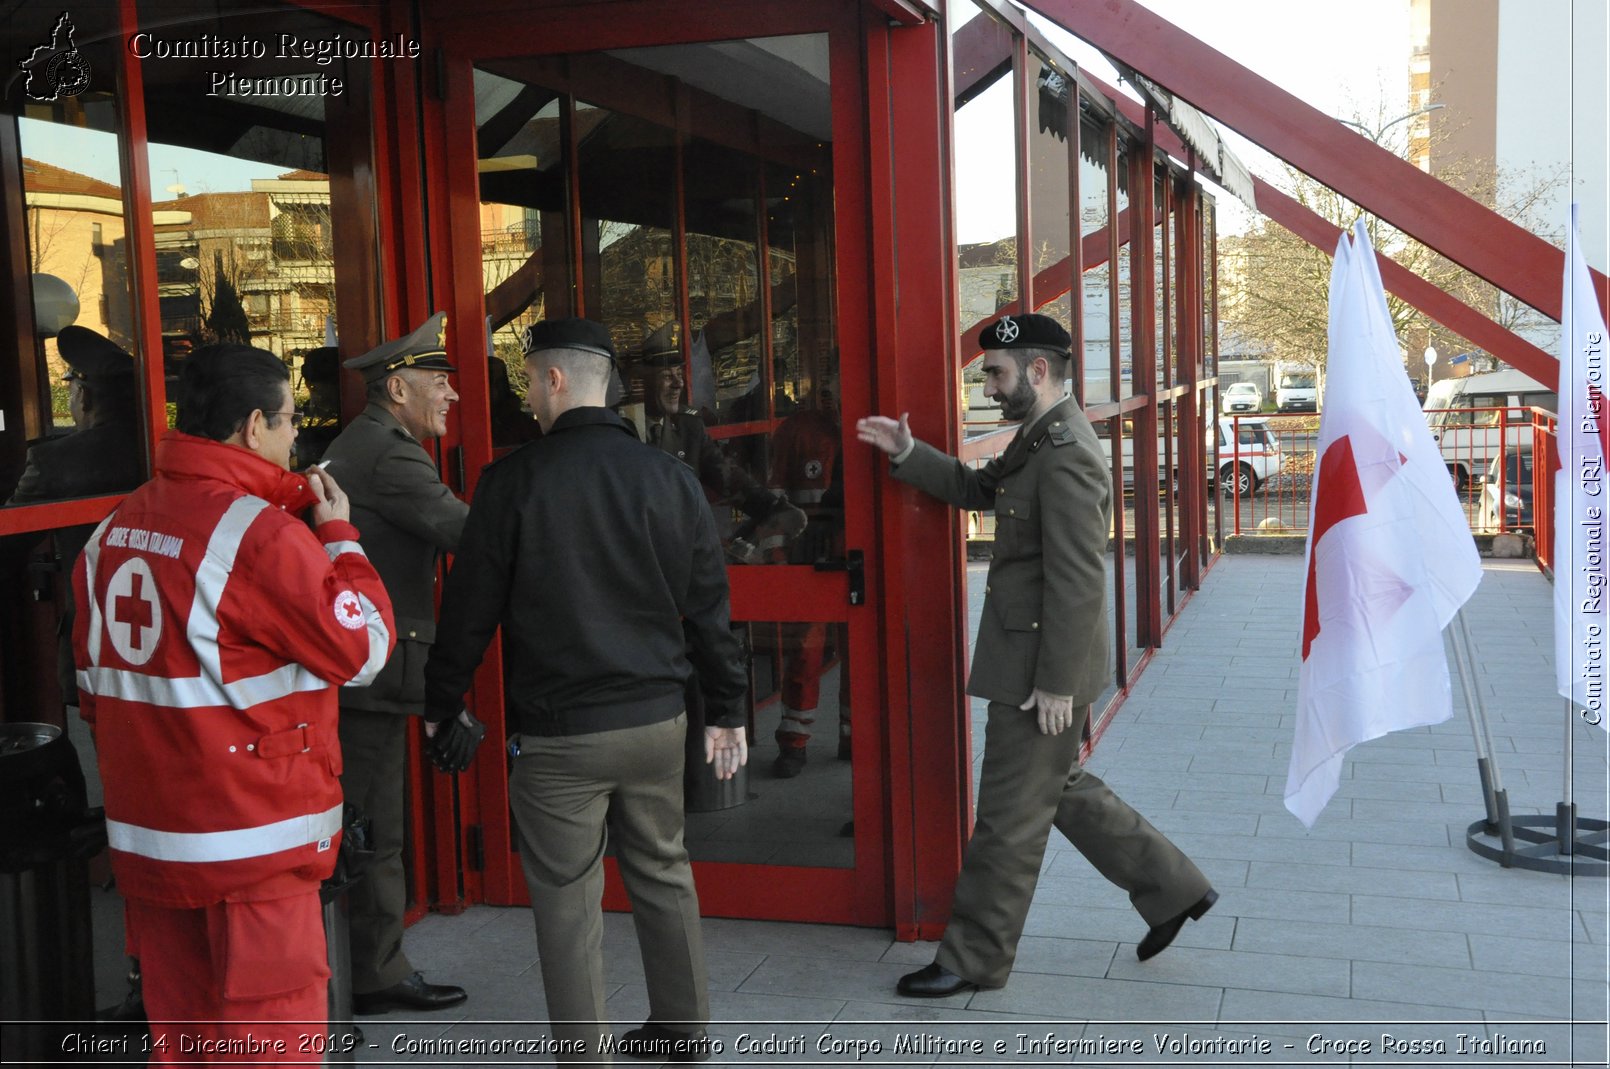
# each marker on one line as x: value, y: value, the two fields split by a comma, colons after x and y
x: 861, y: 895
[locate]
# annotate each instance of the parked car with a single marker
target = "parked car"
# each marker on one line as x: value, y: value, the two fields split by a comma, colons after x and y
x: 1240, y: 397
x: 1298, y: 392
x: 1509, y: 479
x: 1474, y: 418
x: 1248, y: 454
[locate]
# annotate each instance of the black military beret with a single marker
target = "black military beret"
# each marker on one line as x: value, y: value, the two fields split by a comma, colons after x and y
x: 1030, y: 331
x: 581, y: 334
x: 320, y: 365
x: 91, y: 356
x: 425, y: 348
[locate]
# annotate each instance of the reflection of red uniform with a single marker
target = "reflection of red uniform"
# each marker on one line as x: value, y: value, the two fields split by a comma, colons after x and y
x: 805, y: 465
x: 216, y: 627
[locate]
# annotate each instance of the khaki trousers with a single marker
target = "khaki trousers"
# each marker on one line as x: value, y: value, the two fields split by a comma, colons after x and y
x: 1029, y: 783
x: 570, y: 795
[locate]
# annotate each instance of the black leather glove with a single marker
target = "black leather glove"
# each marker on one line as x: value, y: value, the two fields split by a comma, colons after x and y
x: 452, y: 748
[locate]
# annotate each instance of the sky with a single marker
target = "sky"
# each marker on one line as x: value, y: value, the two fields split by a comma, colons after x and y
x: 1343, y: 64
x: 94, y: 153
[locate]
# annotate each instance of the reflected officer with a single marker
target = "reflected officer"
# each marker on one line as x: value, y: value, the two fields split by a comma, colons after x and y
x: 681, y: 432
x: 1041, y: 659
x: 406, y: 517
x: 103, y: 454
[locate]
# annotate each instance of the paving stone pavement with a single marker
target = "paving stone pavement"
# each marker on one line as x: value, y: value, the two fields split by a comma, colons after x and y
x: 1375, y: 938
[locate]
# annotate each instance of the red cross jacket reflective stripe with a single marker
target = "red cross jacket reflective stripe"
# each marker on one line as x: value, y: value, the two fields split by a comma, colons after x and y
x: 215, y: 628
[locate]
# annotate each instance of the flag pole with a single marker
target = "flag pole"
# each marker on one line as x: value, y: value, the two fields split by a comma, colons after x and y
x: 1486, y: 767
x: 1483, y: 760
x: 1565, y: 812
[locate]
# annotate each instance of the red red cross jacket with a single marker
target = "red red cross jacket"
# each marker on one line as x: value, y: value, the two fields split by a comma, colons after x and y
x: 215, y: 629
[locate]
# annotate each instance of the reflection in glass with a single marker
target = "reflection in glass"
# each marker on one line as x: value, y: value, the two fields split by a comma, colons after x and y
x: 729, y: 374
x: 523, y: 213
x: 1048, y: 199
x: 799, y: 807
x: 986, y: 204
x: 1098, y: 323
x: 241, y: 210
x: 1124, y: 326
x: 75, y: 431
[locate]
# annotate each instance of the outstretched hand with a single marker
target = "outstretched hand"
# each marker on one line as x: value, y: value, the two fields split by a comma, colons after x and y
x: 883, y: 432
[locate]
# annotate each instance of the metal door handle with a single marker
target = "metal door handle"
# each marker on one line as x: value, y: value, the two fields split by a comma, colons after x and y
x: 853, y: 562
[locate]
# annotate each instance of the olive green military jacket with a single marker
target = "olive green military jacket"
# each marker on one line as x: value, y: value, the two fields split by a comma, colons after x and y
x: 1045, y: 605
x: 405, y: 517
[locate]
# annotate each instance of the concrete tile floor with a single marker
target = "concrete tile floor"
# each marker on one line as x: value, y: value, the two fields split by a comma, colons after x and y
x: 1377, y: 922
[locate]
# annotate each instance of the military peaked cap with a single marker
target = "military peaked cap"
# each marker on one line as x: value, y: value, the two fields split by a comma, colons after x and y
x: 1030, y: 331
x: 581, y: 334
x: 425, y: 349
x: 663, y: 348
x: 91, y: 356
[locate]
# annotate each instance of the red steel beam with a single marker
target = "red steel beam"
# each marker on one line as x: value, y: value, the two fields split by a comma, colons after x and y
x: 1322, y: 234
x: 1468, y: 233
x: 989, y: 50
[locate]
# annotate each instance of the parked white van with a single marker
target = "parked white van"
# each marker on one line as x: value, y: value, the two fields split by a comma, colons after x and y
x: 1298, y: 390
x: 1464, y: 416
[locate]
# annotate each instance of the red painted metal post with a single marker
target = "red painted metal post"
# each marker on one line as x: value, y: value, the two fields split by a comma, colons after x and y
x: 912, y: 347
x: 1143, y: 363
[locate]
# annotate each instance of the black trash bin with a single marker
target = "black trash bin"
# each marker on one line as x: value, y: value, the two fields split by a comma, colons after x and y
x: 356, y: 850
x: 48, y: 833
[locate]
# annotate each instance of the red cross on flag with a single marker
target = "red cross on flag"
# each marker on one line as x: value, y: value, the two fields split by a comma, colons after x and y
x: 1580, y: 498
x: 1390, y: 556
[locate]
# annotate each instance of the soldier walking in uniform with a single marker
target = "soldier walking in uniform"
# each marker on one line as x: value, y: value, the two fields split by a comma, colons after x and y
x: 1041, y: 659
x: 598, y: 556
x: 406, y: 517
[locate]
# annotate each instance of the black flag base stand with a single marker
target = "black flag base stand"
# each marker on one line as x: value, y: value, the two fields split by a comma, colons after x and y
x: 1563, y: 843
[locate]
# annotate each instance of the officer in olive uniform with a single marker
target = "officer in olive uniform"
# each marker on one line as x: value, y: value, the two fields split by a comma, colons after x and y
x: 104, y: 454
x: 406, y: 517
x: 1041, y: 659
x: 680, y: 431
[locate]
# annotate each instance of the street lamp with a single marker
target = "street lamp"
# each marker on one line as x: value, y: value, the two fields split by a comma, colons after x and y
x: 1376, y: 135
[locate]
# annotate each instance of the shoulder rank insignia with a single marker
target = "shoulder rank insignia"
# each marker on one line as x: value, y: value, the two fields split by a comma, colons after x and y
x: 1060, y: 432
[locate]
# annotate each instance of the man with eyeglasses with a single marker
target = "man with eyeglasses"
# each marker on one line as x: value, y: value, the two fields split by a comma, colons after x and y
x: 408, y: 518
x: 216, y: 624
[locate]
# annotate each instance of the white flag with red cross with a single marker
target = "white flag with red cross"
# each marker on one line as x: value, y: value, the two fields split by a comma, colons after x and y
x: 1581, y: 501
x: 1390, y: 556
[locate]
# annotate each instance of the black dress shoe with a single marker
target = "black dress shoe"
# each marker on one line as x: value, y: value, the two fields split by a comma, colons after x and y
x: 1161, y: 935
x: 410, y: 994
x: 665, y: 1044
x: 790, y: 762
x: 933, y: 981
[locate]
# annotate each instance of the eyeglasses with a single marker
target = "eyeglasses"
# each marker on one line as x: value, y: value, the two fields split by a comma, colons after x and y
x: 295, y: 416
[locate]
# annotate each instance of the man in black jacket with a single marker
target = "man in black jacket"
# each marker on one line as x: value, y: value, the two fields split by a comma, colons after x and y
x: 597, y: 555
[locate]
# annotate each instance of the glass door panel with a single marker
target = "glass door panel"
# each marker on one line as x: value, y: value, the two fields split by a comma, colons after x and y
x: 683, y: 198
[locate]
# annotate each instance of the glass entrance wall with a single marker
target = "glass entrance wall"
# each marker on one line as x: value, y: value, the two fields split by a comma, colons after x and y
x: 682, y: 196
x: 1126, y: 240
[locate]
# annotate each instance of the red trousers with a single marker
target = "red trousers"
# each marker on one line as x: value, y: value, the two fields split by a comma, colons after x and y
x: 804, y: 656
x: 233, y: 981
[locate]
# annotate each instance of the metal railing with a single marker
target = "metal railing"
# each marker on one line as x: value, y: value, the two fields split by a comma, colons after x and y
x: 1259, y: 494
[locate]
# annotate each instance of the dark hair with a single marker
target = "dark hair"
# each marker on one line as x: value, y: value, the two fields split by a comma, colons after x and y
x: 1056, y: 361
x: 221, y: 385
